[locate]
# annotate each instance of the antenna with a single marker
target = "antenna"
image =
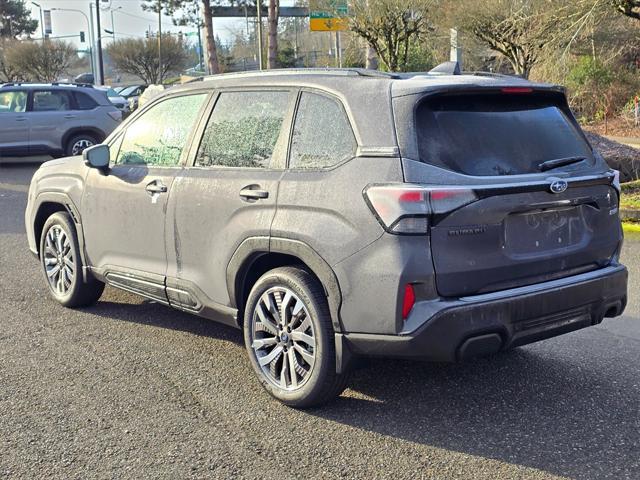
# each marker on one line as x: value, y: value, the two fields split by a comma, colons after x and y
x: 447, y: 68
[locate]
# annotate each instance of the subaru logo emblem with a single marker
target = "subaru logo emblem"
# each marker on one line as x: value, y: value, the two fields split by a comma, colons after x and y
x: 558, y: 186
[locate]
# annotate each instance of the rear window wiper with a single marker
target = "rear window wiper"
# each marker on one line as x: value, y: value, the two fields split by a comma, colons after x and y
x: 559, y: 162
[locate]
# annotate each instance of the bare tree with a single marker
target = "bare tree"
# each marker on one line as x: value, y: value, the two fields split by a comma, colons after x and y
x: 272, y: 57
x: 390, y: 27
x: 8, y: 71
x: 210, y: 39
x: 197, y: 13
x: 518, y: 30
x: 39, y: 61
x: 139, y: 56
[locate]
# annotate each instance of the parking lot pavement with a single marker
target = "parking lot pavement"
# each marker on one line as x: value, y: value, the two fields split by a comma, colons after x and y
x: 131, y: 389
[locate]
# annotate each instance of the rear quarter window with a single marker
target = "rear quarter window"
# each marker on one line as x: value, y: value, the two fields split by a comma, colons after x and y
x: 322, y: 136
x: 496, y: 134
x: 84, y: 101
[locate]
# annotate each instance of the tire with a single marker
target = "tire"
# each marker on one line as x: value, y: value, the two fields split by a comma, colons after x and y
x: 308, y: 345
x: 59, y: 245
x: 78, y: 143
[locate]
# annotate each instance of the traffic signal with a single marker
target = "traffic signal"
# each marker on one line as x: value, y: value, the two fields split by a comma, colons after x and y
x: 81, y: 37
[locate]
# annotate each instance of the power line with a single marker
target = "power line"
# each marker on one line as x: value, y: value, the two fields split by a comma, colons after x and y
x: 146, y: 19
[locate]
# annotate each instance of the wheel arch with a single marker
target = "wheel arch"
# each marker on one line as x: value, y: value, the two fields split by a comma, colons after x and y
x: 257, y: 255
x: 94, y: 132
x: 52, y: 202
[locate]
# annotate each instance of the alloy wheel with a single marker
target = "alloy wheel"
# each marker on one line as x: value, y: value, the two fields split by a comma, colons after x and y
x: 283, y: 338
x: 80, y: 146
x: 58, y: 260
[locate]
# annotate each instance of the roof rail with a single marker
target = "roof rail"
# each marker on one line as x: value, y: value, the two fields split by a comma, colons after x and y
x: 492, y: 74
x: 346, y: 72
x: 55, y: 84
x: 447, y: 68
x: 73, y: 84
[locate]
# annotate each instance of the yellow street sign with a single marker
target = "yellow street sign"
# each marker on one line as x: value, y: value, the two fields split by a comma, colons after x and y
x: 335, y: 24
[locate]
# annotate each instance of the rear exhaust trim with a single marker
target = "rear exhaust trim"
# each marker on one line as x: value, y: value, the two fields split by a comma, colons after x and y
x: 479, y: 345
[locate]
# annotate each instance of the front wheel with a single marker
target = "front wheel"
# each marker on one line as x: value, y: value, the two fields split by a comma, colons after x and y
x: 290, y: 338
x: 62, y: 264
x: 79, y: 144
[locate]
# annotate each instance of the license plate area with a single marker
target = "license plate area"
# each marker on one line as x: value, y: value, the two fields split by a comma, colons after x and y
x: 541, y: 232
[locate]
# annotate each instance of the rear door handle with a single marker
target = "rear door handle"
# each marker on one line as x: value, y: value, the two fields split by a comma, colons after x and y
x: 156, y: 187
x: 69, y: 116
x: 21, y: 119
x: 253, y: 192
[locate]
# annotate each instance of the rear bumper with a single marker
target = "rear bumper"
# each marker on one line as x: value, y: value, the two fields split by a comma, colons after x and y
x: 484, y: 324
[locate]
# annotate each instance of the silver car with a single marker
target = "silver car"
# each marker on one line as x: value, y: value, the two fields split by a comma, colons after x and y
x: 54, y: 119
x: 118, y: 100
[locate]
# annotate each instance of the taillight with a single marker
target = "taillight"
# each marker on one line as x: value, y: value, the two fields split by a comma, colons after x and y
x: 408, y: 300
x: 616, y: 181
x: 406, y: 208
x: 516, y: 90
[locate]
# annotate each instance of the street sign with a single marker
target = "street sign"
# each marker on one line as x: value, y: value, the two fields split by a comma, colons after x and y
x: 328, y: 16
x: 47, y: 22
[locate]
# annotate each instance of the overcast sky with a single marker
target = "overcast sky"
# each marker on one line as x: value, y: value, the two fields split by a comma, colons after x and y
x: 129, y: 19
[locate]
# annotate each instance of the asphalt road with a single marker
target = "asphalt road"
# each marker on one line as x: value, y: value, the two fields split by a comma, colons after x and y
x: 132, y: 389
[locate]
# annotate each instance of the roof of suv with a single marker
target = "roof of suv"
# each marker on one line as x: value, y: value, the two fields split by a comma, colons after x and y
x: 367, y: 94
x: 344, y: 79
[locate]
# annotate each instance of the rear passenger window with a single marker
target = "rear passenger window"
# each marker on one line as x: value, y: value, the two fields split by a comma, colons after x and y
x: 50, y: 101
x: 322, y: 135
x: 159, y: 135
x: 243, y: 129
x: 84, y: 101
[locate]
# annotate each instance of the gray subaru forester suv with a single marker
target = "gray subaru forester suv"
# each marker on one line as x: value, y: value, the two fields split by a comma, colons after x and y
x: 55, y: 118
x: 340, y: 213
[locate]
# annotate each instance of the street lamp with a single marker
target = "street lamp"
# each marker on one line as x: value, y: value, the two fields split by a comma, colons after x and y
x: 113, y: 27
x: 89, y: 27
x: 41, y: 18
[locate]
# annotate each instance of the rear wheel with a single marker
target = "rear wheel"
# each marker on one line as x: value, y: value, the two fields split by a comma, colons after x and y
x: 62, y: 264
x: 290, y: 338
x: 79, y: 143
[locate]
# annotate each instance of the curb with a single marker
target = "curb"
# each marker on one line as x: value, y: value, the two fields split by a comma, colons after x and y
x: 626, y: 214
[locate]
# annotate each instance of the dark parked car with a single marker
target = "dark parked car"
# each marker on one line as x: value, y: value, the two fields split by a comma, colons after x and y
x: 85, y: 78
x: 338, y: 213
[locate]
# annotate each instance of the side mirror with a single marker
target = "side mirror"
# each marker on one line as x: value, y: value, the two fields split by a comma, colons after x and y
x: 97, y: 156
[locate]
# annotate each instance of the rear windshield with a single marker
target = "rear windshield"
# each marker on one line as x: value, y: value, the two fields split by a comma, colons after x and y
x: 496, y: 134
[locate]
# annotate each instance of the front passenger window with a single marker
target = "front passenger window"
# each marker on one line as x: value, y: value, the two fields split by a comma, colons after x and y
x: 160, y: 134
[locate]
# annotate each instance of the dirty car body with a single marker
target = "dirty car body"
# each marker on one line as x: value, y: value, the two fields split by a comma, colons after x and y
x: 423, y: 207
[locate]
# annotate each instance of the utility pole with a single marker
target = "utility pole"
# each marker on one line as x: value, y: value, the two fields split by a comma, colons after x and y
x: 201, y: 54
x: 259, y: 7
x: 99, y: 45
x: 159, y: 42
x: 113, y: 26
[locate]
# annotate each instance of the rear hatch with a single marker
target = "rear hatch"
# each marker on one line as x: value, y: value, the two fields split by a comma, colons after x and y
x: 518, y: 196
